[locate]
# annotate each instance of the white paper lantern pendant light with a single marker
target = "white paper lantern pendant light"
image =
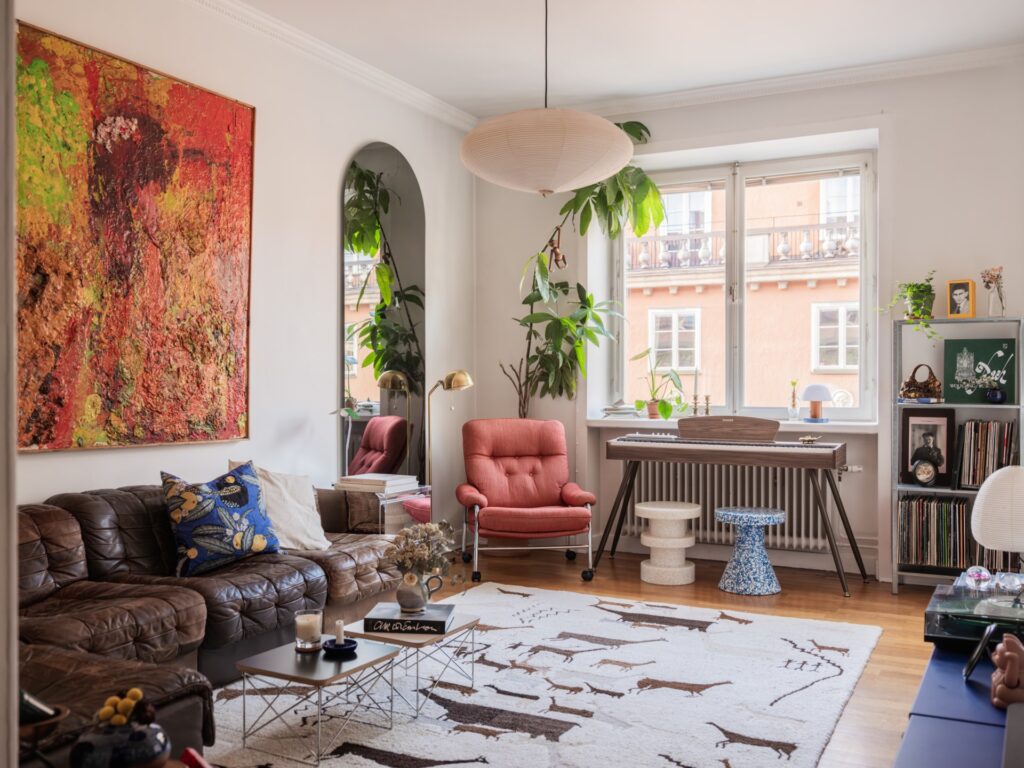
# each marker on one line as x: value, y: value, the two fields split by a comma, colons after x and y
x: 545, y: 150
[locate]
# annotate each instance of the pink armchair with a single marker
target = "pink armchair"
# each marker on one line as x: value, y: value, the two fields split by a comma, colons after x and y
x: 382, y: 448
x: 518, y: 473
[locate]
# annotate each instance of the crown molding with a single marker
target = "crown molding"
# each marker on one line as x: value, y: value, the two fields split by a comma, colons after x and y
x: 365, y: 74
x: 751, y: 89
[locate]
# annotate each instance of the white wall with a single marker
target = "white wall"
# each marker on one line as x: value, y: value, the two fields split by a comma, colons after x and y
x: 950, y: 171
x: 310, y: 121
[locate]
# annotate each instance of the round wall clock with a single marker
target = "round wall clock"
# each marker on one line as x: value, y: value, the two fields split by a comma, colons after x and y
x: 924, y: 472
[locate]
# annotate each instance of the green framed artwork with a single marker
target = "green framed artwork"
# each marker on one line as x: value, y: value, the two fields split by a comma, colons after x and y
x: 974, y: 366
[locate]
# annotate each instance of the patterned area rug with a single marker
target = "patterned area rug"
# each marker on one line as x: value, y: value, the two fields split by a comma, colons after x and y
x: 571, y: 679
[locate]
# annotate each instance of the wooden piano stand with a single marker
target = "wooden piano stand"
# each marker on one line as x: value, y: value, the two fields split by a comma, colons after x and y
x: 733, y: 440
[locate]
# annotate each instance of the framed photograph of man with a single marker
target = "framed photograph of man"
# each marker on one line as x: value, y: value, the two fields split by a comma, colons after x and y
x: 927, y: 434
x: 960, y: 298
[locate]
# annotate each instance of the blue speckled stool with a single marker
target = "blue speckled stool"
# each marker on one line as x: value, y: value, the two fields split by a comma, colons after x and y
x: 749, y: 571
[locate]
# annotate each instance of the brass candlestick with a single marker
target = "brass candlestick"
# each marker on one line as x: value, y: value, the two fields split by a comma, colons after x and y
x: 696, y: 404
x: 707, y: 405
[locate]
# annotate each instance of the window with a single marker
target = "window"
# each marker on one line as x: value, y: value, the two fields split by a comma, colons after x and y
x: 835, y: 339
x: 674, y: 338
x: 759, y: 275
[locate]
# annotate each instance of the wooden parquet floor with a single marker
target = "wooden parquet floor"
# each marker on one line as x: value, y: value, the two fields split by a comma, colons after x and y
x: 871, y: 726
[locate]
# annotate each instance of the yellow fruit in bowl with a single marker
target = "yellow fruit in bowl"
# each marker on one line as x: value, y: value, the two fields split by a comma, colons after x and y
x: 118, y: 720
x: 134, y: 694
x: 125, y: 707
x: 105, y: 713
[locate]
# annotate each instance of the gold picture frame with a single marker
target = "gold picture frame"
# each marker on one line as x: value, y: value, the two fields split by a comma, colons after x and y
x: 956, y: 305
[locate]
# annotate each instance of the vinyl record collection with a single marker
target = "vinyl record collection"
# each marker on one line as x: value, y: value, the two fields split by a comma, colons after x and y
x: 935, y: 532
x: 982, y: 447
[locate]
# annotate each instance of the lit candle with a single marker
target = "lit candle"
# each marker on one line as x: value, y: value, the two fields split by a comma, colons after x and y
x: 339, y: 631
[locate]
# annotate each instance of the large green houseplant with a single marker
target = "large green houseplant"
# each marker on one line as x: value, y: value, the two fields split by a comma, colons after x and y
x: 389, y: 335
x: 561, y: 319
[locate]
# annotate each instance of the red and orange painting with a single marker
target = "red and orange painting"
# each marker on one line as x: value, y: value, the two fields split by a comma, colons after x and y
x: 134, y: 229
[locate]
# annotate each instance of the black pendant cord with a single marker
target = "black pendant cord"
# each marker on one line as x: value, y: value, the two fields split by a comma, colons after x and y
x: 545, y: 54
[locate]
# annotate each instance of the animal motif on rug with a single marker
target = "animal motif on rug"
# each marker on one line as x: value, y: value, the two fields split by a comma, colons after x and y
x: 522, y: 722
x: 396, y: 759
x: 782, y: 748
x: 654, y: 621
x: 608, y: 642
x: 723, y: 616
x: 694, y: 689
x: 824, y: 659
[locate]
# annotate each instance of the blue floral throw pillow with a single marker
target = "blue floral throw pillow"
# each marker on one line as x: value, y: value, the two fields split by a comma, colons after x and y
x: 218, y: 522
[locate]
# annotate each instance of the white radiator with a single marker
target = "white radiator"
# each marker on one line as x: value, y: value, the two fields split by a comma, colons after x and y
x: 713, y: 485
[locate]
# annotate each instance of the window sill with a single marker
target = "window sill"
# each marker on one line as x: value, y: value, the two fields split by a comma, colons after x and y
x: 661, y: 425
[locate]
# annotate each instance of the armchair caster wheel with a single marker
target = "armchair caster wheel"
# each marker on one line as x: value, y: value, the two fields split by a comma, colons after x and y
x: 588, y: 574
x: 570, y: 555
x: 466, y: 557
x: 476, y: 575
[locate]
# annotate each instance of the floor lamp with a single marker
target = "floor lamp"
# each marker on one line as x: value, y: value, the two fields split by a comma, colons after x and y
x: 396, y: 381
x: 452, y: 382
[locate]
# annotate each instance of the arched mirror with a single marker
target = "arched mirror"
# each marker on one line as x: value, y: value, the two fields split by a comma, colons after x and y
x: 382, y: 312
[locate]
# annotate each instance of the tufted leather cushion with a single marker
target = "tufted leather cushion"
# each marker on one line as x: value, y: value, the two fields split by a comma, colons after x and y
x: 354, y: 566
x: 51, y: 554
x: 155, y: 624
x: 550, y: 521
x: 82, y: 682
x: 516, y: 462
x: 382, y: 447
x: 248, y: 597
x: 127, y: 530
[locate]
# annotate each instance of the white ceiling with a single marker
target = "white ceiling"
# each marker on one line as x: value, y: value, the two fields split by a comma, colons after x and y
x: 486, y: 56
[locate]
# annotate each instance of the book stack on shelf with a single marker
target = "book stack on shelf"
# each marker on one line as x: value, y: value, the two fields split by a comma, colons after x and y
x: 374, y: 482
x: 965, y: 434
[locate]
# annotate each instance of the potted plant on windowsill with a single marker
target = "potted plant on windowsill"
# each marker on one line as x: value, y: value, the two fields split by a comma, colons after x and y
x: 664, y: 390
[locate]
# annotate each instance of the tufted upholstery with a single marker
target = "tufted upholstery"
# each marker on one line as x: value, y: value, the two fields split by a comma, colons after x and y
x: 354, y: 566
x: 60, y: 606
x: 125, y: 621
x: 128, y: 539
x: 516, y: 462
x: 382, y: 447
x: 51, y: 554
x: 82, y: 682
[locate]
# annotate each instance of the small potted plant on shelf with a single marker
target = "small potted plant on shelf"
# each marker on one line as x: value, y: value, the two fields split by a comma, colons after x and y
x: 918, y: 299
x: 664, y: 390
x: 794, y: 409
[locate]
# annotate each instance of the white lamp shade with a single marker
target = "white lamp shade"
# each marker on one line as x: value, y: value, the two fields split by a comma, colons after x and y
x: 545, y: 150
x: 997, y: 520
x: 817, y: 392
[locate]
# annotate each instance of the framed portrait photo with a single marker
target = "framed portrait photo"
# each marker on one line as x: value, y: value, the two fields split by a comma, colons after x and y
x: 960, y: 297
x: 927, y: 434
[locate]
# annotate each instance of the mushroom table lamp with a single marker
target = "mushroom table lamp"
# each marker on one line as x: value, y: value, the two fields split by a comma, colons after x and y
x: 997, y: 518
x: 452, y: 382
x: 396, y: 381
x: 815, y: 395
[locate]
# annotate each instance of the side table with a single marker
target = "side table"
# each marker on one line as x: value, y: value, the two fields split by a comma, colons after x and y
x: 668, y: 535
x: 420, y: 648
x: 749, y: 571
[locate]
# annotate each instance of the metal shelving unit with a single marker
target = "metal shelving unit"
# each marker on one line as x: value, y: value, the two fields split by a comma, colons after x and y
x: 1015, y: 328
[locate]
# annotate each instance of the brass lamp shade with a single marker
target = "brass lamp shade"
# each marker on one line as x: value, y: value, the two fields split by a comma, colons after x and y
x: 393, y: 381
x: 457, y: 379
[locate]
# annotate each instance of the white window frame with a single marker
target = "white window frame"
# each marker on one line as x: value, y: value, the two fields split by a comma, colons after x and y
x: 675, y: 314
x: 735, y: 176
x: 842, y: 307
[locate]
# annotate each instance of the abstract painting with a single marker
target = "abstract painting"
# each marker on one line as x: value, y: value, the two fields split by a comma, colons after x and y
x: 134, y: 231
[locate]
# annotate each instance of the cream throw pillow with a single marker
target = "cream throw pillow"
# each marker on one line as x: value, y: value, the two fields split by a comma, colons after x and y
x: 291, y: 507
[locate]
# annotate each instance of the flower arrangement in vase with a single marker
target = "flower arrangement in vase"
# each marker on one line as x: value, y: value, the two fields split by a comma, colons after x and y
x: 422, y: 554
x: 992, y: 279
x: 793, y: 411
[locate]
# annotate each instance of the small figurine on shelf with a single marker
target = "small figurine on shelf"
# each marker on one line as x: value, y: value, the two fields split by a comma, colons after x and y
x: 992, y: 279
x: 1006, y: 682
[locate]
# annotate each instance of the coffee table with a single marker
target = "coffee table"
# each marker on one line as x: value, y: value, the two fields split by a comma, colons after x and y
x: 355, y: 680
x: 441, y: 649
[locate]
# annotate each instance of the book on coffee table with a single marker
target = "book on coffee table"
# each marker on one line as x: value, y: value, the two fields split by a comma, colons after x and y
x: 434, y: 619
